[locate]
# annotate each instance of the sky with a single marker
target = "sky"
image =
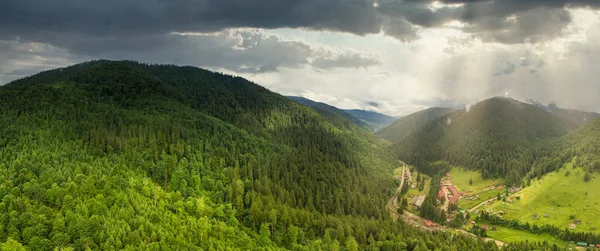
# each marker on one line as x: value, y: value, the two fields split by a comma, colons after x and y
x: 390, y: 56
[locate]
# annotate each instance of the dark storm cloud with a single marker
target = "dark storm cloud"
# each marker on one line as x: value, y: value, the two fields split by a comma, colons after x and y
x: 503, y: 21
x: 141, y: 17
x: 241, y: 50
x: 142, y: 29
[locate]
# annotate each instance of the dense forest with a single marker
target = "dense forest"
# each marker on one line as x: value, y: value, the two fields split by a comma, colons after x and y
x: 498, y: 137
x: 581, y: 145
x: 111, y: 155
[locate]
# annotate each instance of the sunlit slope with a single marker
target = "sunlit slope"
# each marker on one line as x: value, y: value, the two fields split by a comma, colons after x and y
x: 495, y: 136
x: 558, y: 199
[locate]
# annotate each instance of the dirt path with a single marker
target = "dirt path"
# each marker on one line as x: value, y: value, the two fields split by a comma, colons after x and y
x: 481, y: 204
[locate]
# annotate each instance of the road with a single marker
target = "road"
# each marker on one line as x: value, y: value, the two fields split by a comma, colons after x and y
x: 391, y: 205
x: 481, y: 204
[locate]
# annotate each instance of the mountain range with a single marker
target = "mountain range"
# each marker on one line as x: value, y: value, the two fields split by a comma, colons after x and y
x: 369, y: 120
x: 111, y: 155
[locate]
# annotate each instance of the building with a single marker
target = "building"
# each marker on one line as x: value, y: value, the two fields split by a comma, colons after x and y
x: 441, y: 194
x: 453, y: 199
x: 485, y: 227
x: 577, y: 222
x: 417, y: 202
x: 572, y: 226
x: 453, y: 190
x: 429, y: 223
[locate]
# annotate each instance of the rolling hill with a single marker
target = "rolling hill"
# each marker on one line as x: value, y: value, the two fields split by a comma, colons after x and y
x: 374, y: 120
x: 404, y: 126
x: 496, y: 136
x: 111, y: 155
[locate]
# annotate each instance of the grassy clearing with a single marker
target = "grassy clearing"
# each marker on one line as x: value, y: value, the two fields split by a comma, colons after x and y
x: 460, y: 178
x: 559, y: 196
x: 511, y: 235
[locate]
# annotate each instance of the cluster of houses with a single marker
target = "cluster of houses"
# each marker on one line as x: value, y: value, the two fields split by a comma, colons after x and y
x: 454, y: 193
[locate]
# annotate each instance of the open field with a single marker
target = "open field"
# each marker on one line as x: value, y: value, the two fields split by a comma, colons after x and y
x: 511, y: 235
x: 558, y: 196
x: 460, y: 178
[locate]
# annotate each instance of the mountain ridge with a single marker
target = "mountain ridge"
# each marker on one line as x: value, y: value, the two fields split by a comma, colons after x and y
x: 494, y: 136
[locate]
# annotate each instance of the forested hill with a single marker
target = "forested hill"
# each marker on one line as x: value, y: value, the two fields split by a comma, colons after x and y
x: 374, y: 120
x: 583, y: 143
x: 495, y: 136
x: 331, y: 113
x: 404, y: 126
x: 120, y: 155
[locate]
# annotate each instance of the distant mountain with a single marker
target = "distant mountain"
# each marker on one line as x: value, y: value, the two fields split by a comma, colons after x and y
x: 495, y: 136
x: 575, y: 118
x: 404, y: 126
x: 374, y: 120
x: 331, y: 113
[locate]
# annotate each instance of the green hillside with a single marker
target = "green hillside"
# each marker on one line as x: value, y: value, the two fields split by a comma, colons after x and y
x: 583, y: 143
x: 496, y: 136
x: 404, y: 126
x: 120, y: 155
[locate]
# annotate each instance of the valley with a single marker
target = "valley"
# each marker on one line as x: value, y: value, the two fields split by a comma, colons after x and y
x: 101, y: 147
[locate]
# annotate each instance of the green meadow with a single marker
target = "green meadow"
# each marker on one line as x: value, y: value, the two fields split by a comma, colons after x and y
x: 511, y: 235
x: 556, y: 199
x: 460, y: 178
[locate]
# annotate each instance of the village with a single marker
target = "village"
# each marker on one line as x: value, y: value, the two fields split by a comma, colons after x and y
x: 458, y: 195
